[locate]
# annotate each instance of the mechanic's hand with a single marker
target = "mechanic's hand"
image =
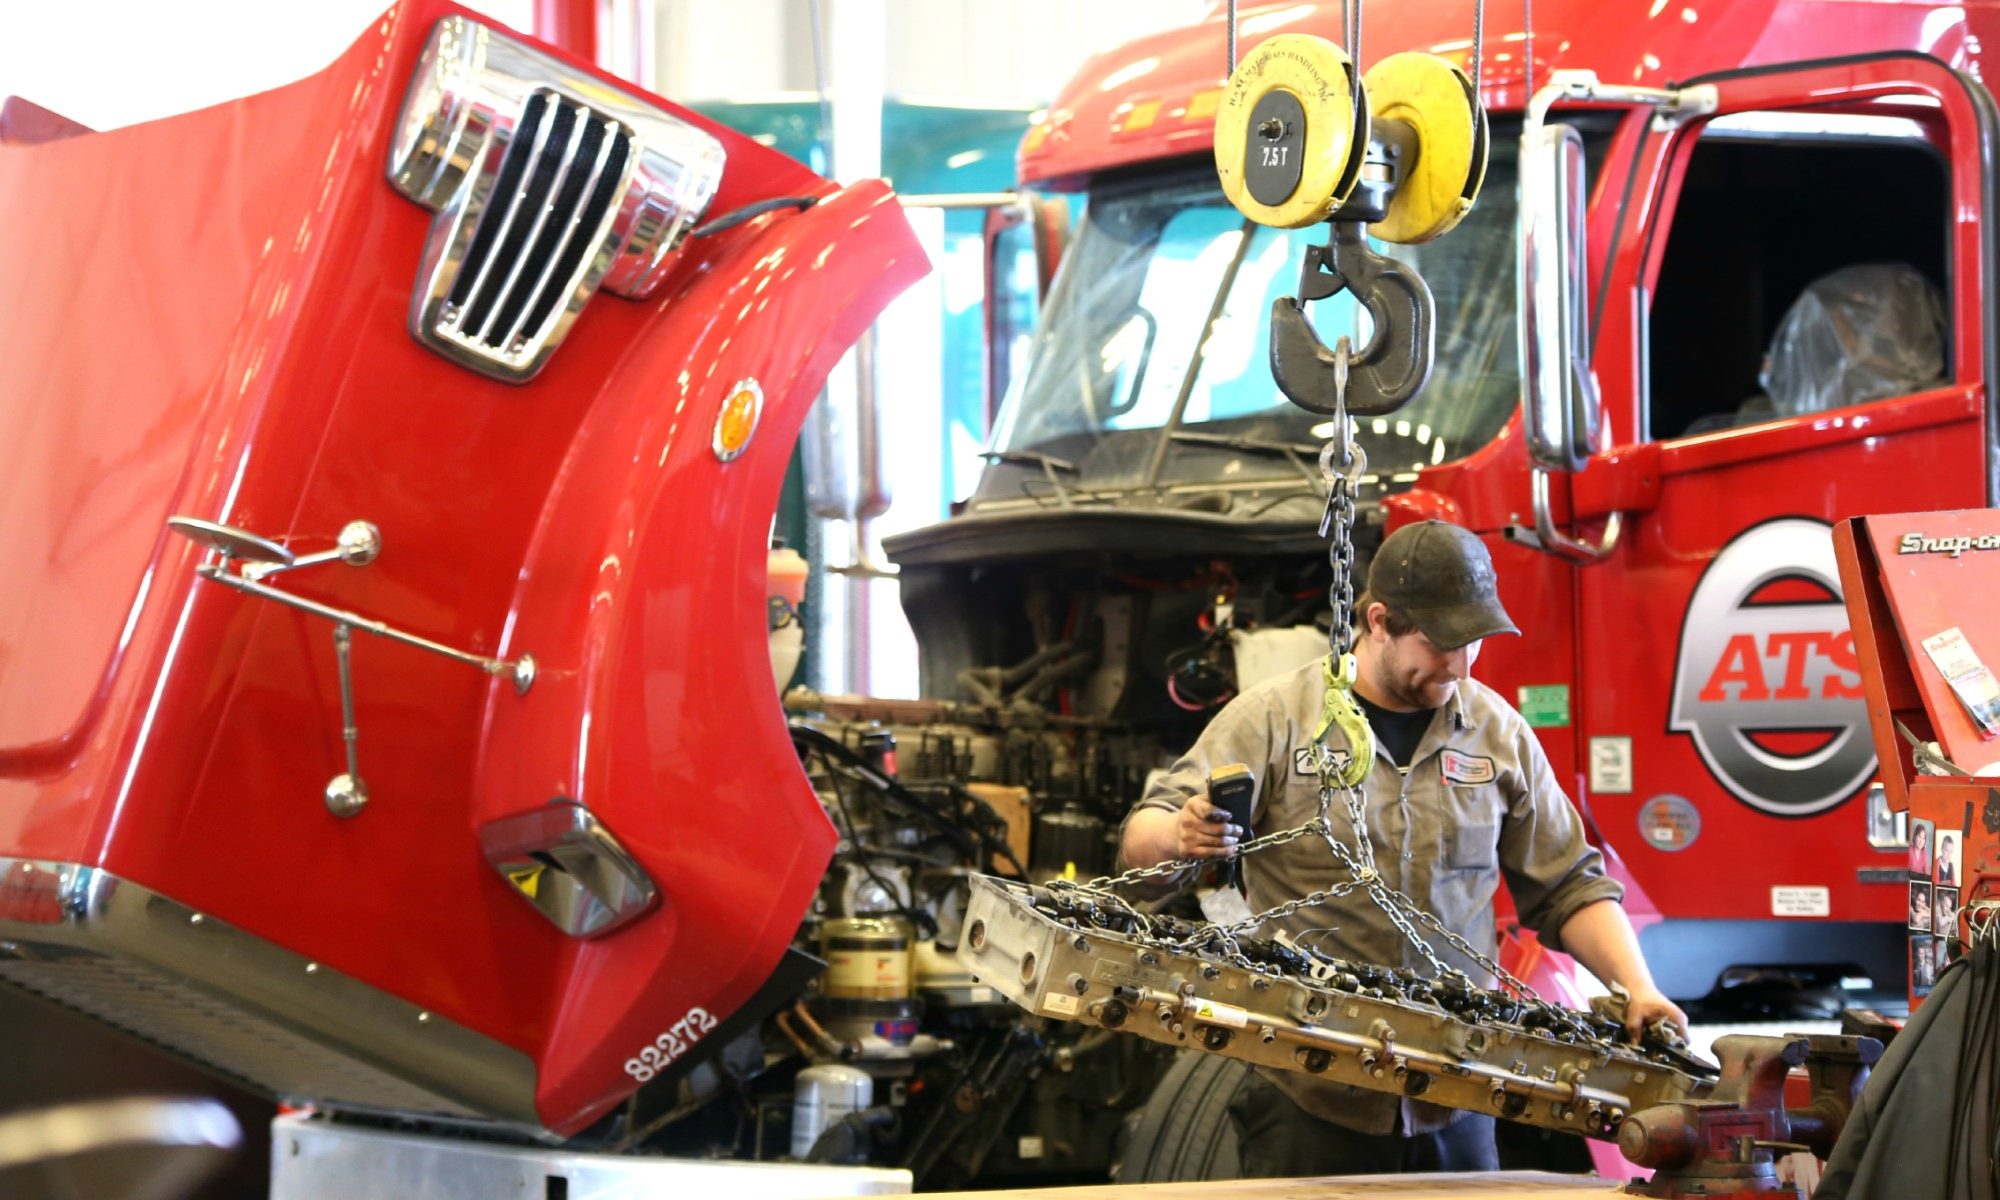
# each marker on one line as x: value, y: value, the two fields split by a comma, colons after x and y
x: 1646, y: 1006
x: 1204, y: 831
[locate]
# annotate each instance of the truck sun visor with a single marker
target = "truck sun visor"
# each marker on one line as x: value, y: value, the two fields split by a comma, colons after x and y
x: 546, y: 185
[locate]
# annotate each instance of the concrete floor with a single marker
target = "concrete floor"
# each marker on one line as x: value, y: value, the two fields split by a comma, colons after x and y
x: 54, y: 1056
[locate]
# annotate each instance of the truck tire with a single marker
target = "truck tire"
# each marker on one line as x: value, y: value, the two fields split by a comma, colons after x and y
x: 1183, y: 1131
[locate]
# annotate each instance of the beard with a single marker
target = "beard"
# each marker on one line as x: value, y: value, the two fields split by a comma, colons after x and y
x: 1427, y: 694
x: 1408, y: 687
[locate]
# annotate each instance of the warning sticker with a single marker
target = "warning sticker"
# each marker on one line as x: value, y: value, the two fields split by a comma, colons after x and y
x: 1611, y: 766
x: 1221, y: 1014
x: 1544, y: 705
x: 1669, y: 822
x: 1062, y: 1003
x: 1801, y: 902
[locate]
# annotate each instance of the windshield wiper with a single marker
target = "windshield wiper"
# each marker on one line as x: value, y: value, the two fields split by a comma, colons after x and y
x: 1290, y: 451
x: 1049, y: 464
x: 1034, y: 458
x: 1244, y: 236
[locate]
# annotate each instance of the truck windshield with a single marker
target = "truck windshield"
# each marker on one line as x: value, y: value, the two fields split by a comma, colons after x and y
x: 1124, y: 321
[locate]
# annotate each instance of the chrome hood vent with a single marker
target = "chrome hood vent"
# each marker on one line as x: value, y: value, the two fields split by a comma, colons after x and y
x: 547, y: 184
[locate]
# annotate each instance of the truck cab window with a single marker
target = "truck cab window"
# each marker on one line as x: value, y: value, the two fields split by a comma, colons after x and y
x: 1804, y: 271
x: 1117, y: 344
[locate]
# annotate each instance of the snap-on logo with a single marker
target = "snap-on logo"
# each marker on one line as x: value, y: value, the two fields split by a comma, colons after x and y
x: 1767, y: 682
x: 1917, y: 543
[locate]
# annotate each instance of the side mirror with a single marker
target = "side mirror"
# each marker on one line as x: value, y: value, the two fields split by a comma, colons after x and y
x: 1559, y: 402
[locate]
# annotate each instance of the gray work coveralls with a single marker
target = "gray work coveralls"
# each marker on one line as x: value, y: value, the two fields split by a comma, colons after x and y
x: 1479, y: 804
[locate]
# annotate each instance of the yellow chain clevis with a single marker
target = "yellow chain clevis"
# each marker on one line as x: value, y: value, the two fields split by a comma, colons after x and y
x: 1341, y: 712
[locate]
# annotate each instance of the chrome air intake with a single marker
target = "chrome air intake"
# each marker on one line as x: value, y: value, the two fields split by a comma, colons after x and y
x: 546, y: 183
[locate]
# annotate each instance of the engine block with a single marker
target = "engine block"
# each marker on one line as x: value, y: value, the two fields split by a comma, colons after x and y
x: 1029, y: 945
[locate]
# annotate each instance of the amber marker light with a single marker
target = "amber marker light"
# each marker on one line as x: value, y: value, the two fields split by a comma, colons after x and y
x: 737, y: 422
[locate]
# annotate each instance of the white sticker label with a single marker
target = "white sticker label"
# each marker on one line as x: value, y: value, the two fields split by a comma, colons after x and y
x: 1221, y: 1014
x: 1801, y: 902
x: 1975, y: 685
x: 1031, y: 1147
x: 982, y: 995
x: 1062, y: 1003
x: 1611, y: 766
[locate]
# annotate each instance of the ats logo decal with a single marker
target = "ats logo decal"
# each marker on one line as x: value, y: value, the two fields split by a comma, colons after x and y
x: 1767, y: 682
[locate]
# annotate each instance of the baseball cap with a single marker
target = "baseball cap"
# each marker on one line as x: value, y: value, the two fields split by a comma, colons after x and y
x: 1441, y: 575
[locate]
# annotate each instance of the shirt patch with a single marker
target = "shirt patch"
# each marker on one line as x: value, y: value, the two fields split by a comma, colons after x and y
x: 1467, y: 768
x: 1305, y: 759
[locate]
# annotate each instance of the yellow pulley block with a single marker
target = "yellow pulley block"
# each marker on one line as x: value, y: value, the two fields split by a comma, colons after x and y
x: 1289, y: 133
x: 1435, y: 99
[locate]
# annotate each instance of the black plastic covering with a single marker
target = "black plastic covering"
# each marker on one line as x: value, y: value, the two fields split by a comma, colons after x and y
x: 1925, y: 1127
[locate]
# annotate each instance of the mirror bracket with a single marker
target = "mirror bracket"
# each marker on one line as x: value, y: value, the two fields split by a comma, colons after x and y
x: 239, y: 559
x: 1546, y: 538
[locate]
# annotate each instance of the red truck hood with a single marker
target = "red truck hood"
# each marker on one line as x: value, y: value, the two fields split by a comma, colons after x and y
x: 207, y: 316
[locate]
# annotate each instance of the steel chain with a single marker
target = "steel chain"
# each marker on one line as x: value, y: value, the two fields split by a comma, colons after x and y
x: 1360, y: 861
x: 1291, y: 906
x: 1457, y: 942
x: 1103, y: 883
x: 1340, y: 461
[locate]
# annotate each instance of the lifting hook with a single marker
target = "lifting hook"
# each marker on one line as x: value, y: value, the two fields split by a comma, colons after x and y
x: 1393, y: 367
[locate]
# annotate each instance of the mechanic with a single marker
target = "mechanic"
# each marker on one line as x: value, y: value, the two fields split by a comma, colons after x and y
x: 1460, y: 796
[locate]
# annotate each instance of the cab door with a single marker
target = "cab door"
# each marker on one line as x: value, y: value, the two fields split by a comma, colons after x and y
x: 1792, y: 329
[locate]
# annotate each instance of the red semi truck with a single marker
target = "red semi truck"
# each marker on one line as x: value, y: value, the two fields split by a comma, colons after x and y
x: 1780, y: 315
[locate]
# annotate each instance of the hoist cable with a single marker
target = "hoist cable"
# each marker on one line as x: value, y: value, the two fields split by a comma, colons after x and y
x: 1351, y: 18
x: 1527, y: 50
x: 1478, y: 45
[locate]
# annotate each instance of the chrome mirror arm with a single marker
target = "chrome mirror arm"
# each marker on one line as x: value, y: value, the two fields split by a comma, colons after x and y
x: 358, y: 544
x: 521, y: 670
x: 1583, y: 86
x: 346, y: 794
x: 1546, y: 538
